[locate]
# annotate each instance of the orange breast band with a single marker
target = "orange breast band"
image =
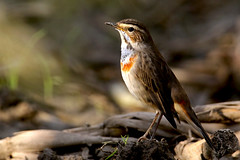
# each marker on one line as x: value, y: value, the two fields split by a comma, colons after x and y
x: 125, y: 67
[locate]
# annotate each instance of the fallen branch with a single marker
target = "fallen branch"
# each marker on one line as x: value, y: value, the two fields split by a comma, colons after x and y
x: 31, y: 143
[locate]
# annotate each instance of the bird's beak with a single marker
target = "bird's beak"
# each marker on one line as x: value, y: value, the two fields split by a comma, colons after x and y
x: 111, y: 24
x: 116, y: 26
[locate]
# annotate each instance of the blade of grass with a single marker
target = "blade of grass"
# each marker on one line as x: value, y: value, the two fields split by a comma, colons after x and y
x: 13, y: 79
x: 112, y: 154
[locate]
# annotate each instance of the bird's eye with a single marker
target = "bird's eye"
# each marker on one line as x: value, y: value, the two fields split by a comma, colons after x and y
x: 130, y: 29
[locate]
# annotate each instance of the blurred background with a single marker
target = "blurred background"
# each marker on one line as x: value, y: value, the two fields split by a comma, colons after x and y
x: 59, y: 63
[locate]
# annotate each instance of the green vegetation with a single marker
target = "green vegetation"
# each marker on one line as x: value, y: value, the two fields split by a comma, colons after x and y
x: 124, y: 139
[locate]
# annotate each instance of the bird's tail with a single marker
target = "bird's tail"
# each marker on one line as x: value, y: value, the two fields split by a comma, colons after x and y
x: 188, y: 114
x: 197, y: 125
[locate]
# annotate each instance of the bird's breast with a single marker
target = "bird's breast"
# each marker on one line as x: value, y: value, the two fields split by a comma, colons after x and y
x: 127, y: 64
x: 129, y: 71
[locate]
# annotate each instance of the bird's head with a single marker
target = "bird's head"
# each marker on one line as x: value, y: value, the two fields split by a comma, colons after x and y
x: 132, y: 32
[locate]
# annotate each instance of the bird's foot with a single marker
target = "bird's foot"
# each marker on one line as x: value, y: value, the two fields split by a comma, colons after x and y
x: 144, y: 137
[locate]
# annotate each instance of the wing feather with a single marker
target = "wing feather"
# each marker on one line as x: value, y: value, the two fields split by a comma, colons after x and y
x: 157, y: 85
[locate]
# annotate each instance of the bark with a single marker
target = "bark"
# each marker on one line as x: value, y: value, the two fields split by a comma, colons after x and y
x: 99, y: 141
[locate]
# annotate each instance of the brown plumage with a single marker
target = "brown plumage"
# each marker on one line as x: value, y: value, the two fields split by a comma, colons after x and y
x: 150, y: 79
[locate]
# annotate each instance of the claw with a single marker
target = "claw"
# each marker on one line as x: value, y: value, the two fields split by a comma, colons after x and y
x: 142, y: 138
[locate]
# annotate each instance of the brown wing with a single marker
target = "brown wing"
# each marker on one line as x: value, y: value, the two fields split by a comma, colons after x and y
x: 157, y: 82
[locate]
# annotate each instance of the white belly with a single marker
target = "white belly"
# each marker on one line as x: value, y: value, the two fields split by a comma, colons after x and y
x: 133, y: 83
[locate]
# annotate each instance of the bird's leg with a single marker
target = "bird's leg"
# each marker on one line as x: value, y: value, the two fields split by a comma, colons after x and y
x: 158, y: 122
x: 150, y: 127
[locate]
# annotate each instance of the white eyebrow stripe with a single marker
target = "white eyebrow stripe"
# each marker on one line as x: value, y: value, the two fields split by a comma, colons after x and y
x: 122, y: 25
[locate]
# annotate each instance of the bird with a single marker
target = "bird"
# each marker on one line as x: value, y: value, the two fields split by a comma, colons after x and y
x: 149, y: 78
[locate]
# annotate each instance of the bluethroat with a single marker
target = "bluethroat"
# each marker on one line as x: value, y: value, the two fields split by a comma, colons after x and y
x: 149, y: 78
